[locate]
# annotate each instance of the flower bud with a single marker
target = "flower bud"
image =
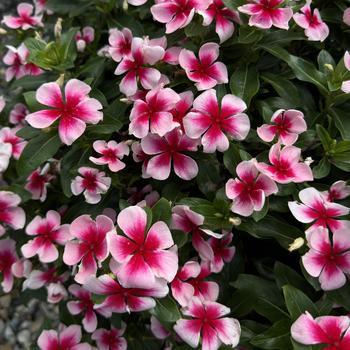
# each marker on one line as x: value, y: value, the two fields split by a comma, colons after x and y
x: 298, y: 243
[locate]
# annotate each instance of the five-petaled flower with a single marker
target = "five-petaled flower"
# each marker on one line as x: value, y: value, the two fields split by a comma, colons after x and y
x: 18, y: 114
x: 250, y: 190
x: 48, y: 231
x: 217, y: 123
x: 10, y: 213
x: 208, y: 323
x: 88, y: 245
x: 338, y: 190
x: 84, y: 38
x: 286, y: 125
x: 311, y: 21
x: 110, y: 339
x: 328, y: 330
x: 205, y: 71
x: 73, y: 110
x: 37, y: 183
x: 120, y: 43
x: 143, y: 256
x: 317, y: 210
x: 92, y: 182
x: 8, y: 135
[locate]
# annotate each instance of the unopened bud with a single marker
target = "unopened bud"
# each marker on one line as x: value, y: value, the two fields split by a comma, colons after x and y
x: 58, y: 28
x: 38, y: 36
x: 235, y: 221
x: 298, y: 243
x: 3, y: 31
x: 125, y: 5
x: 126, y: 100
x: 45, y: 169
x: 329, y: 67
x: 308, y: 161
x: 60, y: 80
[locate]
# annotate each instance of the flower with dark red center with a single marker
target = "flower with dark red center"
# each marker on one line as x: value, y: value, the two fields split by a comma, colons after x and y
x: 37, y: 183
x: 25, y: 19
x: 120, y: 43
x: 8, y: 135
x: 110, y: 339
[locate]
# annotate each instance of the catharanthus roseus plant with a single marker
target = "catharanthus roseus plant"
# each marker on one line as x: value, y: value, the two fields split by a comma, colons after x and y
x: 174, y: 174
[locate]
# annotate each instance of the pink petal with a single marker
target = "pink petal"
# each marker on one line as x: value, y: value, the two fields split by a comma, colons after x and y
x: 281, y: 17
x: 72, y: 253
x: 149, y: 77
x: 301, y: 212
x: 188, y: 60
x: 48, y: 340
x: 210, y: 340
x: 332, y: 277
x: 76, y: 91
x: 224, y: 28
x: 214, y: 139
x: 189, y: 331
x: 159, y: 237
x: 164, y: 264
x: 208, y: 53
x: 153, y: 144
x: 49, y: 94
x: 185, y: 167
x: 159, y: 166
x: 43, y: 119
x: 128, y: 85
x: 70, y: 129
x: 228, y: 330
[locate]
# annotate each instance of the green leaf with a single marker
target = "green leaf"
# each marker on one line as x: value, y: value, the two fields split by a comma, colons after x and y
x: 325, y: 58
x: 166, y: 310
x: 326, y: 140
x: 298, y: 302
x: 245, y: 83
x: 161, y: 211
x: 249, y: 35
x: 232, y: 158
x: 259, y: 215
x: 31, y: 101
x: 322, y: 169
x: 37, y: 151
x: 71, y: 8
x: 341, y: 296
x: 27, y: 132
x: 304, y: 70
x: 341, y: 118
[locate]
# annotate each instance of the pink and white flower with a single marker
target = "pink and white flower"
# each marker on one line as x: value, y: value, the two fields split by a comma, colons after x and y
x: 182, y: 291
x: 68, y: 338
x: 177, y: 13
x: 146, y: 197
x: 120, y: 43
x: 10, y: 213
x: 22, y: 268
x: 154, y: 113
x: 73, y: 110
x: 37, y: 183
x: 317, y: 210
x: 18, y: 114
x: 120, y: 299
x: 8, y: 135
x: 41, y: 7
x: 329, y: 261
x: 90, y: 244
x: 92, y: 183
x: 84, y: 305
x: 339, y: 190
x: 17, y: 58
x: 110, y: 339
x: 217, y: 123
x: 345, y: 87
x: 168, y: 150
x: 48, y: 232
x: 205, y: 71
x: 286, y: 125
x: 208, y: 323
x: 330, y: 330
x: 8, y: 257
x: 111, y: 152
x: 250, y: 189
x: 56, y: 292
x: 285, y: 165
x: 346, y: 16
x: 25, y: 19
x: 143, y: 256
x: 84, y: 38
x: 222, y: 252
x: 267, y: 13
x: 5, y: 155
x: 182, y: 107
x: 135, y: 67
x: 311, y: 21
x: 224, y: 18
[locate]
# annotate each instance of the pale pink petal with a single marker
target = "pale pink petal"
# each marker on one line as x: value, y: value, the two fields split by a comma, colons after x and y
x: 159, y: 166
x: 185, y: 167
x: 43, y: 119
x: 189, y: 331
x: 70, y: 129
x: 49, y: 94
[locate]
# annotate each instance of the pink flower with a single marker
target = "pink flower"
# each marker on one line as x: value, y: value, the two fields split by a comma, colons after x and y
x: 111, y: 152
x: 67, y: 339
x: 22, y: 268
x: 48, y: 232
x: 182, y: 291
x: 315, y: 28
x: 339, y: 190
x: 8, y: 135
x: 120, y: 43
x: 56, y: 292
x: 315, y: 208
x: 110, y: 339
x: 38, y: 279
x: 346, y: 16
x: 10, y: 213
x: 90, y: 244
x: 177, y: 13
x: 153, y: 114
x: 286, y: 125
x: 120, y: 300
x: 37, y: 183
x: 285, y: 166
x: 143, y: 256
x: 167, y: 150
x: 223, y: 253
x: 182, y: 107
x: 267, y: 13
x: 25, y: 19
x: 5, y: 155
x: 205, y: 72
x: 18, y: 114
x: 223, y: 17
x: 73, y: 111
x: 328, y: 261
x: 84, y: 305
x: 216, y: 123
x: 330, y: 330
x: 8, y: 257
x: 345, y: 87
x: 249, y: 191
x: 92, y: 182
x: 135, y: 67
x: 146, y: 197
x: 208, y: 323
x: 84, y: 38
